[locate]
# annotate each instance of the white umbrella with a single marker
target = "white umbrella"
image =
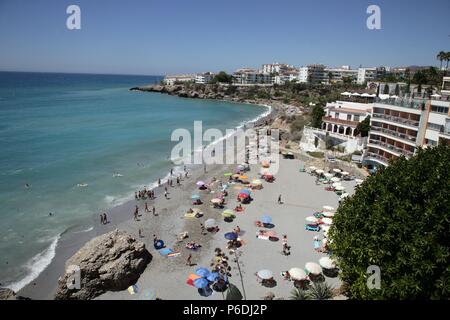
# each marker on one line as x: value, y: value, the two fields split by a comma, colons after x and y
x: 337, y: 170
x: 355, y: 94
x: 344, y: 195
x: 365, y: 94
x: 335, y: 179
x: 328, y: 214
x: 339, y: 188
x: 297, y: 273
x: 345, y: 173
x: 327, y: 263
x: 210, y: 223
x: 327, y: 175
x: 436, y: 95
x: 346, y: 93
x: 265, y: 274
x: 319, y: 171
x: 313, y: 268
x: 327, y: 221
x: 328, y: 208
x: 312, y: 219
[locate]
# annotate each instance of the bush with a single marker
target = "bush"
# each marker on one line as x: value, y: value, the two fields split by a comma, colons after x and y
x: 399, y: 220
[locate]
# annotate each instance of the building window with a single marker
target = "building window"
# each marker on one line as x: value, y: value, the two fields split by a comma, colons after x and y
x: 439, y: 109
x: 349, y: 117
x: 430, y: 142
x: 434, y: 126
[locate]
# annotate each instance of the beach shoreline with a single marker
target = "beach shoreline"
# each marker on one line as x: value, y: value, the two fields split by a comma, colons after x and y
x: 44, y: 285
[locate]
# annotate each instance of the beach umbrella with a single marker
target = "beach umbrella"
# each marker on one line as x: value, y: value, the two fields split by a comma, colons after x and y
x: 195, y: 197
x: 312, y: 219
x: 327, y: 175
x: 210, y: 223
x: 200, y: 183
x: 243, y: 177
x: 336, y: 184
x: 335, y: 179
x: 231, y: 236
x: 216, y: 200
x: 345, y: 173
x: 319, y: 171
x: 327, y: 263
x: 340, y: 188
x: 356, y: 94
x: 243, y: 195
x: 327, y: 221
x: 266, y: 219
x: 227, y: 174
x: 297, y: 273
x: 201, y: 283
x: 328, y: 213
x: 346, y: 93
x: 337, y: 170
x: 328, y: 208
x: 227, y: 214
x: 245, y: 191
x: 313, y: 268
x: 202, y: 272
x: 344, y: 195
x: 265, y: 274
x: 212, y: 276
x: 191, y: 278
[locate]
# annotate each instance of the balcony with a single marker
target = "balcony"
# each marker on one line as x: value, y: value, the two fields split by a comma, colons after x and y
x: 406, y: 102
x: 398, y: 120
x: 340, y: 121
x: 375, y: 157
x: 397, y: 150
x: 405, y: 137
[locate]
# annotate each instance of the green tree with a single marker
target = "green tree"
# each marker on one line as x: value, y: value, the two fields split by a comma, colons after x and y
x: 363, y: 127
x: 222, y: 77
x: 398, y: 219
x: 397, y: 90
x: 441, y: 56
x: 386, y: 88
x: 316, y: 116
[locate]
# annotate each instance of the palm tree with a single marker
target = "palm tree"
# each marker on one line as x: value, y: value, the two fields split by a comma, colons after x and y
x: 447, y: 59
x: 299, y: 294
x: 320, y: 291
x: 441, y: 56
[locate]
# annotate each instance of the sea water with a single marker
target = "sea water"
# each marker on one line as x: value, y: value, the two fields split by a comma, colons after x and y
x: 74, y: 145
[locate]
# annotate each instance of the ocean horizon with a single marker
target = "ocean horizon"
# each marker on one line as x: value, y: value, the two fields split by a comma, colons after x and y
x: 76, y: 145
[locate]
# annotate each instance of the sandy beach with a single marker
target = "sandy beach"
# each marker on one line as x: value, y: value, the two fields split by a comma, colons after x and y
x: 166, y: 277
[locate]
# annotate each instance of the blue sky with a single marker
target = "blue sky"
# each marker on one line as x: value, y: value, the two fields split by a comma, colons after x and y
x: 163, y: 36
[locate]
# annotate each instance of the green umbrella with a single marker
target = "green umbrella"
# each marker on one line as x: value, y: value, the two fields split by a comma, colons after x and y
x: 227, y: 174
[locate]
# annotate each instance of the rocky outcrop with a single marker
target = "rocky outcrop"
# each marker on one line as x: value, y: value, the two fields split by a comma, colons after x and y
x: 110, y: 262
x: 8, y: 294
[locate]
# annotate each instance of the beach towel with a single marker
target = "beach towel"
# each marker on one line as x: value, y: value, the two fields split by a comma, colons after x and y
x: 165, y: 251
x: 316, y: 244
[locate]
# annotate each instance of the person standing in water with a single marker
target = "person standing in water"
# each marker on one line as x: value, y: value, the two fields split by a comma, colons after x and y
x: 146, y: 207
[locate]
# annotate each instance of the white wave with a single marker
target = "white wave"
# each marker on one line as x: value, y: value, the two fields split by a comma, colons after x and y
x: 86, y: 230
x: 36, y: 265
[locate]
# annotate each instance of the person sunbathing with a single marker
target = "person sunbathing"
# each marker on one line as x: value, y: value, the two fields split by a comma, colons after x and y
x: 239, y: 208
x: 193, y: 245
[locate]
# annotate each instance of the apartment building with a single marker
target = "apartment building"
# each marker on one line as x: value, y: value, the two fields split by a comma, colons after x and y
x: 203, y: 78
x: 314, y: 73
x: 173, y: 79
x: 251, y: 76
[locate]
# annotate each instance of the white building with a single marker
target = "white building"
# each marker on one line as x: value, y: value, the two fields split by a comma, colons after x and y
x: 312, y: 73
x: 366, y: 74
x: 204, y: 78
x: 338, y: 74
x: 251, y: 76
x: 275, y: 67
x: 173, y: 79
x: 343, y: 117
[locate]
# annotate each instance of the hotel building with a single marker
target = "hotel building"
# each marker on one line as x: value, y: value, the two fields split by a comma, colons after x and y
x: 400, y: 125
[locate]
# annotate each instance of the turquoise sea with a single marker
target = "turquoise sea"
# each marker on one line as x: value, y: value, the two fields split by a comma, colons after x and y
x: 61, y: 130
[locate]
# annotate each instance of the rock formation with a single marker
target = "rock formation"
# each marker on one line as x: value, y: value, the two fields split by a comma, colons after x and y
x: 110, y: 262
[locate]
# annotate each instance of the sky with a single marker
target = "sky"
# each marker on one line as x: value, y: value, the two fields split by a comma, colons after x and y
x: 156, y: 37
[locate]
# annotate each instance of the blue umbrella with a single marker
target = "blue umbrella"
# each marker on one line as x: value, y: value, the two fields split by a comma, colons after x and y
x: 266, y: 219
x: 202, y: 272
x: 165, y: 251
x: 195, y: 197
x: 231, y: 236
x: 200, y: 283
x: 245, y: 191
x: 213, y: 276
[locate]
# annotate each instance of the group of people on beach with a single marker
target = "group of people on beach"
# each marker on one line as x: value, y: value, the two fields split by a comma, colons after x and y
x: 144, y: 194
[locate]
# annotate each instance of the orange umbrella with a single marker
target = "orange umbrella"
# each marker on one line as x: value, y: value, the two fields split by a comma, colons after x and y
x: 191, y: 278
